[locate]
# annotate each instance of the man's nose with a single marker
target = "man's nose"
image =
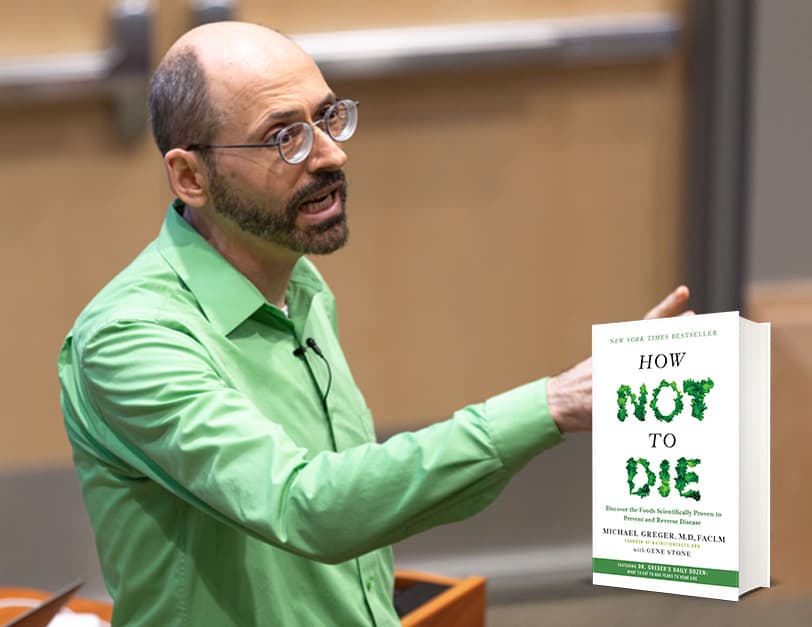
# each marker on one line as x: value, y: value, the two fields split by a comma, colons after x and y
x: 326, y: 153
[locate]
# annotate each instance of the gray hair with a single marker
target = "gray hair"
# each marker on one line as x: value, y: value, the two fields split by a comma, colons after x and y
x: 180, y: 108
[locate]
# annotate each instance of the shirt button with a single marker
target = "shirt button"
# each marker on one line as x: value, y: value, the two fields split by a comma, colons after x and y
x: 369, y: 584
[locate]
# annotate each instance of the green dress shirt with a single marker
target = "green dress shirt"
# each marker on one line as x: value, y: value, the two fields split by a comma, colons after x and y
x: 225, y: 483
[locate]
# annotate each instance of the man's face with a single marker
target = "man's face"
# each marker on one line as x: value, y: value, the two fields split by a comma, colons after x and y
x: 283, y: 226
x: 300, y: 207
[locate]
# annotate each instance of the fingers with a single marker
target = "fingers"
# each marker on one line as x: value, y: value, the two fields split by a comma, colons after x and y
x: 671, y: 305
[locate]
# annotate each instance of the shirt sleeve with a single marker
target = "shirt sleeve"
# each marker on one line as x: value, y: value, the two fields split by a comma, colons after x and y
x: 159, y: 404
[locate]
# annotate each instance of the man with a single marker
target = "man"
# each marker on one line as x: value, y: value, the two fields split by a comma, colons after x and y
x: 227, y: 459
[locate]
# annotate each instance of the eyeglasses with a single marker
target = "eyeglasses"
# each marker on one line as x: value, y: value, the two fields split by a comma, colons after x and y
x: 295, y: 141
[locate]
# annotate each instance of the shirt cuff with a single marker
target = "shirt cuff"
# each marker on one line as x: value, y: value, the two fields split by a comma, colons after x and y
x: 520, y: 423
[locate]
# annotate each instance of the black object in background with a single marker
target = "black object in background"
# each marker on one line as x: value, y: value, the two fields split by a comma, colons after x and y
x: 411, y: 597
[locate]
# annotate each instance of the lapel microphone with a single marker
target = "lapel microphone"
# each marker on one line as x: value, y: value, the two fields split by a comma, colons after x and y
x: 299, y: 351
x: 310, y: 343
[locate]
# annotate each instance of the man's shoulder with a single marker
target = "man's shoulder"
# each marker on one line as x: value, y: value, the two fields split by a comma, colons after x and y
x: 147, y: 290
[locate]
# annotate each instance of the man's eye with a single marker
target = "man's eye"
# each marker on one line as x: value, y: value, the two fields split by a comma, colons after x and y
x: 273, y: 136
x: 289, y: 135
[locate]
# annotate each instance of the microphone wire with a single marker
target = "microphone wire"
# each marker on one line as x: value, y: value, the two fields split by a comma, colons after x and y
x: 300, y: 351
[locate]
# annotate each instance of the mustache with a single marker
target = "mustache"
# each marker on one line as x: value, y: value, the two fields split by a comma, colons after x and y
x: 320, y: 181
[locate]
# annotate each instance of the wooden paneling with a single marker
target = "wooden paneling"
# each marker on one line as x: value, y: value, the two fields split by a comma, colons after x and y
x: 494, y: 215
x: 77, y: 206
x: 788, y: 307
x: 323, y: 15
x: 52, y: 27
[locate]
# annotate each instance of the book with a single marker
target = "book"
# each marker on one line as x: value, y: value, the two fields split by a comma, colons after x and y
x: 681, y: 455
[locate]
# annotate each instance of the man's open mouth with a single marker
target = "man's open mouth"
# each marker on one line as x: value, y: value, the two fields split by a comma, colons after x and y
x: 324, y: 200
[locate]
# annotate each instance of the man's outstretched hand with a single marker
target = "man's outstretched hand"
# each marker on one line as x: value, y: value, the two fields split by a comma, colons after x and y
x: 569, y: 394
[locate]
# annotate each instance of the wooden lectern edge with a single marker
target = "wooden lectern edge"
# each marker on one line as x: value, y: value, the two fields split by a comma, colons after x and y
x: 458, y: 589
x: 472, y: 588
x: 77, y: 604
x: 405, y: 578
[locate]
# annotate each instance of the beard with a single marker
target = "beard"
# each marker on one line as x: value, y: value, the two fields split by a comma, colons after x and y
x: 281, y: 228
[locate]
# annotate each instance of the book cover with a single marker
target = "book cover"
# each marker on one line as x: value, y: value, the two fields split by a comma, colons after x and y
x: 667, y: 453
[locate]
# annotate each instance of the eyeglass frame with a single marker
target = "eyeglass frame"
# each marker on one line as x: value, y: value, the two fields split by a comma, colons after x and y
x: 277, y: 144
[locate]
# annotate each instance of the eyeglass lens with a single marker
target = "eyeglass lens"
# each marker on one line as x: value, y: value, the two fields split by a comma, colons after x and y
x: 341, y: 119
x: 296, y: 140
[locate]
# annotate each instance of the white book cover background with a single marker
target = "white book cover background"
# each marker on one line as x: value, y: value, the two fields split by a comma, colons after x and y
x: 666, y: 457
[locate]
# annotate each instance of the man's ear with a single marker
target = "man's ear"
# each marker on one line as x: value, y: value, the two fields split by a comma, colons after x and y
x: 187, y: 176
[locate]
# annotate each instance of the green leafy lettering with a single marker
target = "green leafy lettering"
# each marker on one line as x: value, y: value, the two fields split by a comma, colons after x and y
x: 678, y: 404
x: 631, y: 472
x: 684, y: 477
x: 697, y: 390
x: 665, y: 484
x: 624, y: 394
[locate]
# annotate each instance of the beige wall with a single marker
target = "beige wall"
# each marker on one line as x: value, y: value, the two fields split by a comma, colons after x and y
x: 494, y: 215
x: 780, y: 264
x: 781, y: 161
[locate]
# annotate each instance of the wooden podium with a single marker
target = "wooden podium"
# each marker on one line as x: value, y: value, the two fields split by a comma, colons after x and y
x: 26, y: 598
x: 461, y: 605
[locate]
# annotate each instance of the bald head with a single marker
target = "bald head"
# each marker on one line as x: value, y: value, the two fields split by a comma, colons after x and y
x: 222, y: 47
x: 204, y: 73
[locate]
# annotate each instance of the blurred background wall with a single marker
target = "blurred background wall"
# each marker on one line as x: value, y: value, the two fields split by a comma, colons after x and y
x: 779, y: 262
x: 781, y: 152
x: 496, y: 213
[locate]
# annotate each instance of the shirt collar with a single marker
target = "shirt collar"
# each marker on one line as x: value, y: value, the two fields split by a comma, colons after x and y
x: 226, y: 296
